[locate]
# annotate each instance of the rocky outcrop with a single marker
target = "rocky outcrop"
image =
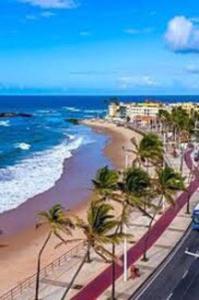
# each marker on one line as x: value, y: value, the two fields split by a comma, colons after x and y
x: 73, y: 121
x: 14, y: 115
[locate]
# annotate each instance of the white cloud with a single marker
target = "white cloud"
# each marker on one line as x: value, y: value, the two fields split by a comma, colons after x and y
x: 31, y: 17
x: 85, y: 33
x: 182, y: 35
x: 53, y: 4
x: 134, y: 31
x: 137, y: 81
x: 36, y: 17
x: 47, y: 14
x: 131, y: 31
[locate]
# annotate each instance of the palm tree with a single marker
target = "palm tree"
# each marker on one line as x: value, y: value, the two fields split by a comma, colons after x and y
x: 136, y: 181
x: 167, y: 184
x: 165, y: 119
x: 105, y: 181
x: 99, y: 230
x: 181, y: 123
x: 57, y: 224
x: 135, y: 188
x: 150, y: 150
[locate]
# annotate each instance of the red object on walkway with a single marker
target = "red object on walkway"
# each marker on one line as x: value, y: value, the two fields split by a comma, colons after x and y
x: 134, y: 272
x: 99, y: 284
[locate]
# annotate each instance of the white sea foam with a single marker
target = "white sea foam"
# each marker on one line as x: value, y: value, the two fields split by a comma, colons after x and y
x: 94, y: 111
x: 71, y: 137
x: 23, y: 146
x: 5, y: 123
x: 72, y: 109
x: 45, y: 111
x: 34, y: 175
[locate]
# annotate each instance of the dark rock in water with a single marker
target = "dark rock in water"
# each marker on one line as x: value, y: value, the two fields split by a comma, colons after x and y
x: 73, y: 121
x: 14, y: 115
x: 25, y: 115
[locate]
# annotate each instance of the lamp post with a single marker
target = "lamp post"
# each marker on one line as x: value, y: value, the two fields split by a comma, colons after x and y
x: 125, y: 275
x: 182, y: 158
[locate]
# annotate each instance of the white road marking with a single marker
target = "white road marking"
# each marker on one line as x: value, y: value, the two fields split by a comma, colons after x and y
x: 165, y: 264
x: 185, y: 273
x: 169, y: 297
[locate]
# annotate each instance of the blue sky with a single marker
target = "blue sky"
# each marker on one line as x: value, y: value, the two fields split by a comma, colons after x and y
x: 99, y: 47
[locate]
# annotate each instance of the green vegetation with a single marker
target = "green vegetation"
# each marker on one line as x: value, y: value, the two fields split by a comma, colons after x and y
x: 145, y: 186
x: 99, y: 230
x: 148, y: 151
x: 58, y: 225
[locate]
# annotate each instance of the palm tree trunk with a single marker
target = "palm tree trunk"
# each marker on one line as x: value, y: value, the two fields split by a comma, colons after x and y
x: 39, y: 265
x: 113, y: 273
x: 188, y: 206
x: 75, y: 275
x: 148, y: 232
x: 88, y: 254
x: 182, y: 160
x: 146, y: 240
x: 188, y: 194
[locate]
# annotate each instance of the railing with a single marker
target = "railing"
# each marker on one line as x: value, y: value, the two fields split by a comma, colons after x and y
x: 31, y: 281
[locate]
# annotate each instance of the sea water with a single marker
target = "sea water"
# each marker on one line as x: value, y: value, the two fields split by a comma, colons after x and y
x: 33, y: 150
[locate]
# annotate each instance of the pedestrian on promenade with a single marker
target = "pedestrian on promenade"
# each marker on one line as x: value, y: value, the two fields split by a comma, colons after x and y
x: 134, y: 272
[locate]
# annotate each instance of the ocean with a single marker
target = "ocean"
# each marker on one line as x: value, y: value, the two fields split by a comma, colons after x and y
x: 33, y: 150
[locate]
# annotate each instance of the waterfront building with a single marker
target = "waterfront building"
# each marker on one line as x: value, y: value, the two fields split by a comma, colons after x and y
x: 144, y: 113
x: 188, y: 106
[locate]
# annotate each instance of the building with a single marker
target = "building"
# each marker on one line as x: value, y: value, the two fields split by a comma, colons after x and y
x: 145, y: 112
x: 113, y: 109
x: 188, y: 106
x: 117, y: 110
x: 146, y: 109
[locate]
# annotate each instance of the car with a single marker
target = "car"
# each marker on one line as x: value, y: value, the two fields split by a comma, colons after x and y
x: 196, y: 156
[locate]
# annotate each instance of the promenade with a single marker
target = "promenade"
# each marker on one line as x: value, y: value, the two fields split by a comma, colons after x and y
x: 97, y: 286
x: 95, y: 279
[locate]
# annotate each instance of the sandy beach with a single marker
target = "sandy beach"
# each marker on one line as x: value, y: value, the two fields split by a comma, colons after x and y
x: 18, y: 254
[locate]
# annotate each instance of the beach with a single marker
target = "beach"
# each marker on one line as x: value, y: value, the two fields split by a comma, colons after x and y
x: 20, y: 245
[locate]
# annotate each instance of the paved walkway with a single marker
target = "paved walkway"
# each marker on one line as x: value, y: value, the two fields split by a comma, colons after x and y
x: 99, y: 284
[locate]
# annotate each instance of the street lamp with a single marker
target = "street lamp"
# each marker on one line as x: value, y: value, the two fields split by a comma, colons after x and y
x: 125, y: 276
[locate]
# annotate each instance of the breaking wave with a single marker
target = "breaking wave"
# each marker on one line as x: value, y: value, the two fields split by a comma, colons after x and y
x: 34, y: 175
x: 72, y: 109
x: 5, y: 123
x: 23, y: 146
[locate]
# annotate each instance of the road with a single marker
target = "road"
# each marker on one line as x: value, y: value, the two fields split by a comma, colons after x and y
x: 178, y: 277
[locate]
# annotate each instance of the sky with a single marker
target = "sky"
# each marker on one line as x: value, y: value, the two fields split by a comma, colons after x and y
x: 95, y: 47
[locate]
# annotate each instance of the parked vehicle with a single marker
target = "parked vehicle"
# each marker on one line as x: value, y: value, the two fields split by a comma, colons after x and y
x: 195, y: 218
x: 196, y: 156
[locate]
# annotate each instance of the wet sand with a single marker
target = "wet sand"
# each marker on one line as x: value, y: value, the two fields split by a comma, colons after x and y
x: 21, y: 241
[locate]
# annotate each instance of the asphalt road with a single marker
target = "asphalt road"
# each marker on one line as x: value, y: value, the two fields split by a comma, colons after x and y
x: 178, y: 277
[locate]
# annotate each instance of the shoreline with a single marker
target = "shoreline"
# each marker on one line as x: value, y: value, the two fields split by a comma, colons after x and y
x: 119, y: 137
x: 20, y: 260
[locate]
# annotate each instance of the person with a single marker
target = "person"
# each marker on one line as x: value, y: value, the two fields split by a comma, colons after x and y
x: 134, y: 272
